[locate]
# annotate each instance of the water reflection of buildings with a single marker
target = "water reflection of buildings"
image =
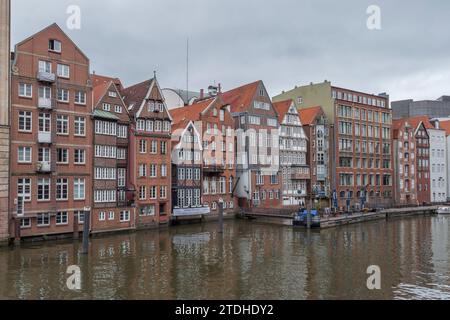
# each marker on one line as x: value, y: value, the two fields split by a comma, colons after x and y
x: 247, y: 261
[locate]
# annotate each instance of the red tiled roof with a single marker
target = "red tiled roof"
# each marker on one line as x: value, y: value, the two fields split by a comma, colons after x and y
x: 282, y: 107
x: 99, y: 91
x: 308, y: 115
x: 445, y: 125
x: 413, y: 122
x: 99, y: 79
x: 241, y: 98
x: 182, y: 116
x: 134, y: 95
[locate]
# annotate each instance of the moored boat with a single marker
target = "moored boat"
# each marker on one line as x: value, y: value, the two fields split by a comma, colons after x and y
x: 443, y: 210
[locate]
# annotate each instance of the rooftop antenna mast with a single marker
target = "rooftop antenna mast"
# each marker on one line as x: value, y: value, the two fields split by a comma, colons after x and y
x: 187, y: 71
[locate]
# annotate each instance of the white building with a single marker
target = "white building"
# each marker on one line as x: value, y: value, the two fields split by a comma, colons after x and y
x: 444, y: 123
x: 438, y: 163
x: 293, y: 151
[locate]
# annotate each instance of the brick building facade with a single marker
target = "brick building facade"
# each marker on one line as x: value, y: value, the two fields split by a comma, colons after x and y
x: 210, y: 124
x: 112, y: 193
x: 51, y: 135
x: 150, y: 153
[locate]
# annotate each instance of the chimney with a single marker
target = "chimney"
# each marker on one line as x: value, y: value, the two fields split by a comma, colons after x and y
x: 220, y: 88
x: 202, y: 93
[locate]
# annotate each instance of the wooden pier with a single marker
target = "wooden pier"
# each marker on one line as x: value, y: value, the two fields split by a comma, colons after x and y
x: 287, y: 217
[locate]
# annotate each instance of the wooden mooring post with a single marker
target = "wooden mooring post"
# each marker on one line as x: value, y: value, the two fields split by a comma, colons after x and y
x: 220, y: 216
x: 86, y: 230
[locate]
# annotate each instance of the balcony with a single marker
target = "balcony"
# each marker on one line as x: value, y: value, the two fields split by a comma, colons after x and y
x: 46, y: 77
x: 301, y: 193
x: 45, y: 137
x: 213, y: 168
x: 43, y: 167
x: 46, y: 104
x: 300, y: 176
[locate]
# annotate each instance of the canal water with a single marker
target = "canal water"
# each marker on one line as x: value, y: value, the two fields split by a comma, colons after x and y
x: 248, y: 261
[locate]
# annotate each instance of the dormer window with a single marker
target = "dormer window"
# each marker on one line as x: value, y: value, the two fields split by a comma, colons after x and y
x: 54, y: 45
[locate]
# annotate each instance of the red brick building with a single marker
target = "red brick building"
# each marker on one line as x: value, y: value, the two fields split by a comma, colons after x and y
x: 51, y: 133
x: 203, y: 161
x: 150, y: 153
x: 316, y: 128
x: 404, y: 146
x: 112, y: 192
x: 256, y: 125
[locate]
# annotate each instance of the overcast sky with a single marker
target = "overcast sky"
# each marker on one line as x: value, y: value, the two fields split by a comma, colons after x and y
x: 283, y: 42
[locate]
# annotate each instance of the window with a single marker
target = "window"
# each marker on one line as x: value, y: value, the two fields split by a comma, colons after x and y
x: 79, y: 189
x: 24, y: 188
x: 163, y: 192
x: 63, y: 95
x: 121, y: 177
x: 43, y: 219
x: 45, y: 122
x: 124, y: 216
x: 122, y: 131
x: 163, y: 170
x: 142, y: 146
x: 142, y: 193
x: 62, y: 125
x: 142, y: 170
x: 25, y: 90
x: 80, y: 126
x: 154, y: 147
x: 153, y: 171
x: 54, y: 45
x: 111, y: 215
x: 43, y: 189
x: 25, y: 223
x: 106, y: 107
x: 102, y: 173
x: 80, y: 97
x: 62, y: 187
x: 105, y: 196
x: 63, y: 71
x: 45, y: 66
x: 62, y: 218
x: 80, y: 216
x: 24, y: 155
x: 153, y: 192
x: 80, y: 156
x: 101, y: 216
x: 118, y: 109
x: 112, y: 94
x: 121, y: 153
x: 62, y: 156
x: 45, y: 92
x: 25, y: 121
x: 44, y: 155
x: 163, y: 147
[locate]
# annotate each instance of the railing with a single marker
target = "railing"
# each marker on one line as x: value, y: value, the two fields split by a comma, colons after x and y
x: 213, y: 168
x: 300, y: 176
x: 45, y: 137
x: 46, y: 76
x: 44, y: 167
x: 45, y: 103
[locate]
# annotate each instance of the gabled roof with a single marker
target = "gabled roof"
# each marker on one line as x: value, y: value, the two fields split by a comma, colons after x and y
x: 134, y: 96
x: 54, y: 25
x: 241, y: 98
x: 415, y: 122
x: 99, y: 79
x: 308, y: 115
x: 99, y: 92
x: 282, y: 107
x: 182, y: 116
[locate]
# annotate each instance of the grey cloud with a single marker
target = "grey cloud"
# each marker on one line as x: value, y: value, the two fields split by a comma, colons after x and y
x: 284, y: 43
